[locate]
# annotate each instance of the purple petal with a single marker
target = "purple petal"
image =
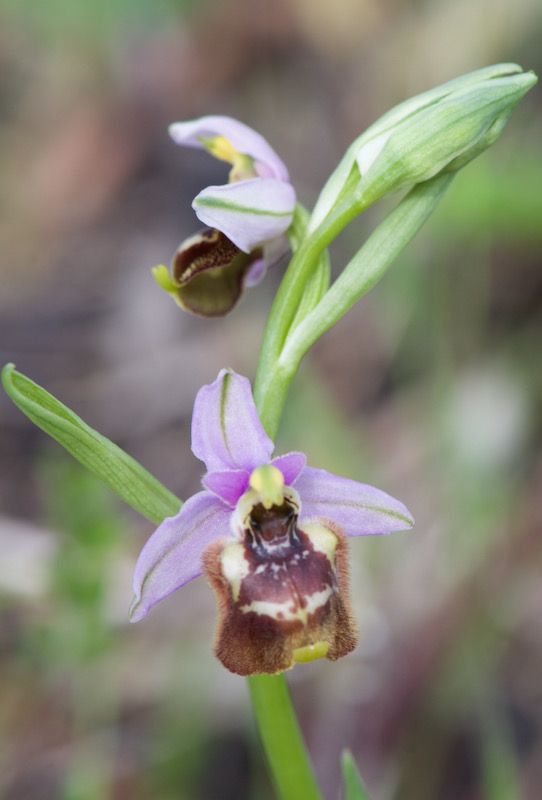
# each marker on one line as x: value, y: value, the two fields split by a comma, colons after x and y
x: 249, y: 213
x: 256, y: 273
x: 358, y: 509
x: 244, y: 140
x: 226, y: 430
x: 273, y: 251
x: 291, y: 465
x: 228, y: 485
x: 172, y: 556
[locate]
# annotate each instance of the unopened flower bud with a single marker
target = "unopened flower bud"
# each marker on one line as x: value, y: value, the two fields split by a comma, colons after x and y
x: 437, y: 131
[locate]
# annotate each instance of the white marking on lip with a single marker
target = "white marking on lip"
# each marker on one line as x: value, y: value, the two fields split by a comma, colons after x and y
x: 234, y: 565
x: 289, y: 612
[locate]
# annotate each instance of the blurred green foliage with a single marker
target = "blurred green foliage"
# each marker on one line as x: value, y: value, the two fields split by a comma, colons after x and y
x: 76, y: 630
x: 60, y: 19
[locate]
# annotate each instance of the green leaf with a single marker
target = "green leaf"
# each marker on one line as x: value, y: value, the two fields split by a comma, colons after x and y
x: 113, y: 466
x: 353, y: 785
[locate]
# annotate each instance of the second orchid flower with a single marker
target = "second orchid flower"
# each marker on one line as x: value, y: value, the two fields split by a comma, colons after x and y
x: 246, y: 218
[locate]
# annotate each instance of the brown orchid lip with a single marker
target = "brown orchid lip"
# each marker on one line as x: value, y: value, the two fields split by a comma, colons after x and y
x: 282, y: 593
x: 208, y: 249
x: 209, y: 271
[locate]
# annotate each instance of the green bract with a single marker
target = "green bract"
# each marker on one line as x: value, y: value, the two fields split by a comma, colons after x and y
x: 441, y: 129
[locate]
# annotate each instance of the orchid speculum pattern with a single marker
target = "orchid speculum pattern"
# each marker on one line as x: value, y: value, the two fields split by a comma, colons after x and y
x: 270, y: 532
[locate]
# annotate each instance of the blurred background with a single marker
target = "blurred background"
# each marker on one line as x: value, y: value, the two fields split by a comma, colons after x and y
x: 431, y: 388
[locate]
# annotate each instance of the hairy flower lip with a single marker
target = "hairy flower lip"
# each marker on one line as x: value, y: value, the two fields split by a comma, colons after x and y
x: 228, y: 437
x: 197, y: 254
x: 208, y: 273
x: 281, y: 601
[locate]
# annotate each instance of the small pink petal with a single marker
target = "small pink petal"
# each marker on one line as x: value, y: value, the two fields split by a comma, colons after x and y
x: 229, y: 485
x: 291, y: 465
x: 273, y: 251
x: 256, y: 273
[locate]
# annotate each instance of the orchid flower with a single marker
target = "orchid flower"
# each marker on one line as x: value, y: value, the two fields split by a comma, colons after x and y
x: 246, y: 218
x: 269, y: 533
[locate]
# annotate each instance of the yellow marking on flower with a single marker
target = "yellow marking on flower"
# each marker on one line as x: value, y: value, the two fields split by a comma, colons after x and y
x: 311, y: 652
x: 268, y: 482
x: 221, y: 148
x: 245, y: 505
x: 322, y: 539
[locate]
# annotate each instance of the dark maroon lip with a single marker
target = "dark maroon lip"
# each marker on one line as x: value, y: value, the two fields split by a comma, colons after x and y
x: 207, y: 250
x: 274, y: 526
x: 291, y: 595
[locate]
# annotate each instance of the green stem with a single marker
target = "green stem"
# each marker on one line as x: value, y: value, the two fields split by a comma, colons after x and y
x: 281, y: 354
x: 271, y: 702
x: 282, y: 738
x: 290, y: 292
